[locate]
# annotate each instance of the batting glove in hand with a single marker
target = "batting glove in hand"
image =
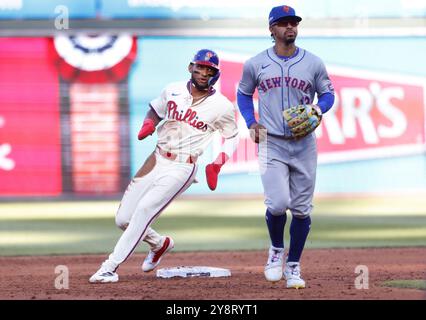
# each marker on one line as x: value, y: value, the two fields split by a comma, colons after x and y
x: 147, y: 129
x: 213, y: 169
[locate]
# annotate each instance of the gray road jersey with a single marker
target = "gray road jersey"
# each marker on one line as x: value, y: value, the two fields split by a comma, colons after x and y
x: 282, y: 84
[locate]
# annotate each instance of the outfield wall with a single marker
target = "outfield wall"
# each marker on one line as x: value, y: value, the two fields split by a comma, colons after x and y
x: 61, y: 133
x: 363, y: 158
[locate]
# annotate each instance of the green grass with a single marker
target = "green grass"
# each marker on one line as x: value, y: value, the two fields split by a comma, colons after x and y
x: 406, y: 284
x: 88, y: 227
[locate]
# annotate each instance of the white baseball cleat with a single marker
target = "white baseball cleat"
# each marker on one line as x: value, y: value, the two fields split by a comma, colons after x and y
x: 292, y: 275
x: 105, y: 274
x: 274, y: 265
x: 153, y: 259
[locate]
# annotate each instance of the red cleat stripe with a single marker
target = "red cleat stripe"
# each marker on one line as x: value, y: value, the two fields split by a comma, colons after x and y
x: 160, y: 252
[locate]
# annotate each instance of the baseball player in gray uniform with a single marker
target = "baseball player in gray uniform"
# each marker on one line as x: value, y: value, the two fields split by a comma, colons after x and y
x: 285, y: 75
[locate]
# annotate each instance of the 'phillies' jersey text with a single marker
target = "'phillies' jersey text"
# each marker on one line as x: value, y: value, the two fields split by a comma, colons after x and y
x: 189, y: 117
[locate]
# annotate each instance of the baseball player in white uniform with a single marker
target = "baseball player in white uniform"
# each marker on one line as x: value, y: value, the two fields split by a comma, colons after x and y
x: 190, y: 113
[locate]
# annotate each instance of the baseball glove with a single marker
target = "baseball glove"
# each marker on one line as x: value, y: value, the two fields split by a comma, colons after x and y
x: 303, y: 119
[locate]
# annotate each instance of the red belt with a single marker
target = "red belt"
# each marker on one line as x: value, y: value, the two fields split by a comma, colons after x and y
x: 173, y: 156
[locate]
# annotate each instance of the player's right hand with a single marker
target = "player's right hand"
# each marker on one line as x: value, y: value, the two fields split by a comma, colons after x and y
x: 147, y: 129
x: 257, y: 132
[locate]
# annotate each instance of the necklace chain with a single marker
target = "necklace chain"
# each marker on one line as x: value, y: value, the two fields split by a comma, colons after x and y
x: 199, y: 99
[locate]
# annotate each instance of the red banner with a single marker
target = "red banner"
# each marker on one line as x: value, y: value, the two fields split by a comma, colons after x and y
x: 30, y: 159
x: 95, y: 138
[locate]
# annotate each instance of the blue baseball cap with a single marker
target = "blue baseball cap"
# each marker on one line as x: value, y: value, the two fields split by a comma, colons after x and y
x: 281, y: 12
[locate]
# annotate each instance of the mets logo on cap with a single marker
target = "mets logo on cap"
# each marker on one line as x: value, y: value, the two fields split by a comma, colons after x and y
x: 286, y: 9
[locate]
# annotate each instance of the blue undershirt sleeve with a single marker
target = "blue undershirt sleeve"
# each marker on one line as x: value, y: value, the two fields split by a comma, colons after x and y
x: 325, y: 101
x: 246, y: 106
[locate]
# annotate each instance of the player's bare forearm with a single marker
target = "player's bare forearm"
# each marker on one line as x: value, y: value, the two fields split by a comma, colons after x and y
x: 149, y: 124
x: 228, y: 148
x: 213, y: 169
x: 153, y: 116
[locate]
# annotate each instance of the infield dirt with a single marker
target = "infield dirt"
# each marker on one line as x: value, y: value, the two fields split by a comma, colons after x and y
x: 329, y: 274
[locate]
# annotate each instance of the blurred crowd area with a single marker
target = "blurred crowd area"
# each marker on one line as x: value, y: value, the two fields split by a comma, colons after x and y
x: 217, y: 18
x: 76, y: 78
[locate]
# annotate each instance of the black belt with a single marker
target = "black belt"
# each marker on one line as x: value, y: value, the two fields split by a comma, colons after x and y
x: 281, y: 137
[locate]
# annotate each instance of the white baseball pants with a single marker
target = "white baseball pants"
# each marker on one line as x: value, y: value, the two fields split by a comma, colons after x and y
x: 144, y: 200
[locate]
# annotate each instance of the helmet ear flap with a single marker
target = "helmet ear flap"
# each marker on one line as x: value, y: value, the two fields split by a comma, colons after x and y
x: 214, y: 79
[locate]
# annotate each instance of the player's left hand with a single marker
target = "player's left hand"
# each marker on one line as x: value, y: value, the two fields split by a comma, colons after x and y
x: 303, y: 119
x: 213, y: 169
x: 318, y: 110
x: 212, y: 172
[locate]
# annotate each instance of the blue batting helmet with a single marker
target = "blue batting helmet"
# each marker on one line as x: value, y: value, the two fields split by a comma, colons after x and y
x: 209, y: 58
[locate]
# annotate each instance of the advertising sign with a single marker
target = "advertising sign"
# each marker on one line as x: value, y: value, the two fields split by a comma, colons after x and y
x: 30, y: 145
x: 374, y: 115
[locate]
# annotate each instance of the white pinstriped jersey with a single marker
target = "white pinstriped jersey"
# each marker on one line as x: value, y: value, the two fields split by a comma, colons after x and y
x: 188, y: 129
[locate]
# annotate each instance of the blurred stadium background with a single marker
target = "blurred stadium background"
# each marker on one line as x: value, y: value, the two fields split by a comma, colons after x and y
x: 76, y: 77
